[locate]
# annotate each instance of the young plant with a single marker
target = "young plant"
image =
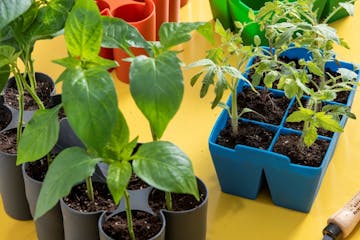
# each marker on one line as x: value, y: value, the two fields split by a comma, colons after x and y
x: 222, y: 68
x: 22, y: 24
x: 103, y: 130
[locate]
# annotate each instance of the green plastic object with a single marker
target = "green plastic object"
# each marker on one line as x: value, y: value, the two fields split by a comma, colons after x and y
x: 220, y: 10
x: 330, y: 6
x: 229, y: 11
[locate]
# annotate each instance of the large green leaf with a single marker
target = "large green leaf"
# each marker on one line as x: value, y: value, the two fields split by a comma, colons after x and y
x: 8, y: 55
x: 40, y: 135
x: 172, y: 34
x: 118, y: 177
x: 83, y: 30
x: 11, y: 9
x: 4, y: 76
x: 157, y: 87
x: 90, y: 102
x: 118, y: 140
x: 164, y: 166
x: 119, y: 34
x: 50, y: 19
x: 70, y: 167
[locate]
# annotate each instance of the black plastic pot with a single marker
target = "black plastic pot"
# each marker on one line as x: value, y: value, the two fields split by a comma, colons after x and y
x: 39, y: 77
x: 12, y: 187
x: 138, y: 201
x: 189, y: 224
x: 50, y: 225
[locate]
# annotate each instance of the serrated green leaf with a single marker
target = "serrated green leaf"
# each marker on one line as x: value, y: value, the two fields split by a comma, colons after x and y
x: 251, y: 15
x: 83, y: 30
x: 220, y: 87
x: 164, y: 166
x: 11, y: 9
x: 327, y: 31
x: 85, y: 90
x: 194, y: 78
x: 201, y: 63
x: 310, y: 135
x: 207, y: 32
x: 118, y: 177
x: 270, y: 78
x: 303, y: 114
x: 157, y: 87
x: 327, y: 122
x: 313, y: 68
x: 70, y: 167
x: 40, y: 135
x: 290, y: 88
x: 257, y: 40
x: 347, y: 74
x: 172, y: 33
x: 349, y: 7
x: 219, y: 29
x: 207, y: 82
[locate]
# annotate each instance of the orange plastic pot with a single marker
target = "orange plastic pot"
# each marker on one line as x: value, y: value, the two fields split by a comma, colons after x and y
x: 183, y: 3
x: 141, y: 15
x: 104, y: 9
x: 162, y: 13
x: 174, y: 10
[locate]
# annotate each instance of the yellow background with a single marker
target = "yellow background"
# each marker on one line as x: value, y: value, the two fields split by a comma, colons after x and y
x: 230, y: 217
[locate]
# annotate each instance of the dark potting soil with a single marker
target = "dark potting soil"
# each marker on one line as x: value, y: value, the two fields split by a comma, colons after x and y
x: 8, y: 141
x: 312, y: 156
x: 145, y: 225
x: 249, y: 134
x: 78, y: 198
x: 37, y: 170
x: 180, y: 202
x: 43, y: 90
x: 268, y: 108
x: 136, y: 183
x: 300, y: 125
x: 5, y: 117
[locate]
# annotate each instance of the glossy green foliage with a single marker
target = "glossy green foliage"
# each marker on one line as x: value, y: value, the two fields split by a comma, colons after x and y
x: 39, y: 136
x: 11, y: 9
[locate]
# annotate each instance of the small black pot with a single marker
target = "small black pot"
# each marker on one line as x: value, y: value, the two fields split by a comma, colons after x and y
x: 7, y: 117
x: 189, y: 224
x: 12, y: 187
x: 50, y: 225
x: 138, y: 202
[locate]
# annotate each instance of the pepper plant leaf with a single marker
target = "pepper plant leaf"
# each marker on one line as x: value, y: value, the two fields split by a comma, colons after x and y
x: 172, y: 34
x: 4, y: 76
x: 70, y: 167
x: 118, y: 178
x: 50, y: 19
x: 11, y: 9
x: 83, y: 30
x: 40, y: 135
x: 90, y: 102
x: 157, y: 87
x: 164, y: 166
x: 119, y: 34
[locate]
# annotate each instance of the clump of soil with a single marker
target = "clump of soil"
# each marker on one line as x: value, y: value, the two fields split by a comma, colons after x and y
x: 145, y: 225
x: 249, y: 134
x: 43, y: 90
x: 136, y: 183
x: 289, y: 145
x: 78, y: 198
x: 8, y: 141
x: 268, y: 108
x: 5, y: 117
x: 37, y: 169
x: 180, y: 202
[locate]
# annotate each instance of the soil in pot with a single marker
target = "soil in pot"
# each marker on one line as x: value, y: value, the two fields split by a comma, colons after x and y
x: 37, y: 169
x: 5, y: 117
x: 249, y: 134
x: 145, y: 225
x: 8, y: 141
x: 43, y: 89
x: 268, y: 108
x: 289, y: 145
x: 180, y: 202
x: 136, y: 183
x: 78, y: 198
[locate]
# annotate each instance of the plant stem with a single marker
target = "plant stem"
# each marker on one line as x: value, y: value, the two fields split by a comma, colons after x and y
x: 168, y: 199
x: 90, y: 189
x: 234, y: 115
x: 18, y: 80
x: 129, y: 215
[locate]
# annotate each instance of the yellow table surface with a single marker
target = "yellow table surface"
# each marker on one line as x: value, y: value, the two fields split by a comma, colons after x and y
x: 230, y: 217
